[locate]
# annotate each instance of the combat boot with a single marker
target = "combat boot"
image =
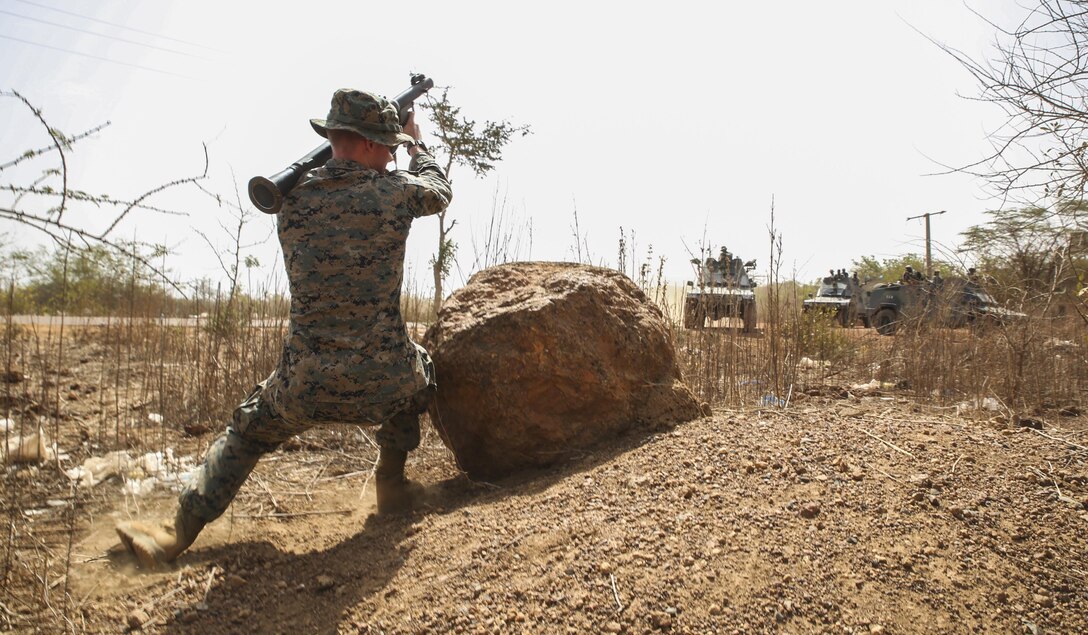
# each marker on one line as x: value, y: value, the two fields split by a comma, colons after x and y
x: 156, y: 545
x: 395, y: 492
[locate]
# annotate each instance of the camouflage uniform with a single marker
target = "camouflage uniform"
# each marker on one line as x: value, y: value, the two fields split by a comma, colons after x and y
x: 347, y: 357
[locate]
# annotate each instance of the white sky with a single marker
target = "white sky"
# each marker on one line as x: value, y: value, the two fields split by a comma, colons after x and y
x: 677, y: 121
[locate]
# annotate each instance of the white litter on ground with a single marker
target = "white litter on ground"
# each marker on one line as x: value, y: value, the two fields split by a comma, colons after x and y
x: 139, y: 475
x: 30, y: 448
x: 989, y: 403
x: 866, y: 387
x: 807, y: 362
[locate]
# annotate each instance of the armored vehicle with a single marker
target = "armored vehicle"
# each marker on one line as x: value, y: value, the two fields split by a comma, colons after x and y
x: 838, y: 296
x: 723, y: 288
x: 954, y: 303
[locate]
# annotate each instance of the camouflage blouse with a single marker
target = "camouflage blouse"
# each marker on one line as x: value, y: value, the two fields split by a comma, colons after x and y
x: 343, y: 231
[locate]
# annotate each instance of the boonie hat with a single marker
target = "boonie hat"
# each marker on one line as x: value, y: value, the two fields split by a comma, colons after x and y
x: 367, y: 114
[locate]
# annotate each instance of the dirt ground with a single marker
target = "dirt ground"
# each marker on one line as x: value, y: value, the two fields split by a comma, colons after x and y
x: 843, y: 513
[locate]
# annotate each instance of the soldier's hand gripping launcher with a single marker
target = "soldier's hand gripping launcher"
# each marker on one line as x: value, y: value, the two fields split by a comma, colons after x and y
x: 267, y: 193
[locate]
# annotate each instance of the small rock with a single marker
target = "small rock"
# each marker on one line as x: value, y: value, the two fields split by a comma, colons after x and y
x: 957, y: 512
x: 324, y: 582
x: 235, y: 581
x: 12, y: 376
x: 661, y: 621
x: 876, y: 629
x: 1044, y: 601
x: 810, y: 510
x: 188, y: 617
x: 613, y: 627
x: 136, y: 619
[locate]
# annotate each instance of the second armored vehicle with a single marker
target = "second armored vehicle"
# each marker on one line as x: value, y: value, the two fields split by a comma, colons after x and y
x: 838, y: 296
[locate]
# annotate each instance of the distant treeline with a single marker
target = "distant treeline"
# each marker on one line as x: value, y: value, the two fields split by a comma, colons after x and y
x: 100, y: 280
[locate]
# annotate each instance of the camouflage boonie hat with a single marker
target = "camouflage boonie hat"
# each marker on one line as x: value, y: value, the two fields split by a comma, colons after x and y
x: 366, y: 114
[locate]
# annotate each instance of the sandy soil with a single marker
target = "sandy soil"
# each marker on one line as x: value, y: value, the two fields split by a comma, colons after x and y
x: 871, y: 516
x: 845, y: 513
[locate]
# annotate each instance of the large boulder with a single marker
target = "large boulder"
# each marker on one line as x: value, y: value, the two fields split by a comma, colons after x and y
x: 538, y: 361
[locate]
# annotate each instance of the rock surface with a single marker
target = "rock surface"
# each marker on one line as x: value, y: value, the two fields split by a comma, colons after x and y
x: 537, y: 362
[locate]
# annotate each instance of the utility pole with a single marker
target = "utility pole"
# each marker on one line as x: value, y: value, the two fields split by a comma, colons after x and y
x: 929, y: 255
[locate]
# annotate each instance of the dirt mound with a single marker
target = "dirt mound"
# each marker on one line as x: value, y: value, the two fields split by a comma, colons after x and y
x: 890, y: 520
x: 538, y: 361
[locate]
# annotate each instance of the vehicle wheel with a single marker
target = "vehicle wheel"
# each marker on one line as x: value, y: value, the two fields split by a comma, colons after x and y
x: 866, y: 323
x: 844, y: 318
x: 885, y: 321
x: 750, y: 317
x: 694, y: 315
x: 850, y: 316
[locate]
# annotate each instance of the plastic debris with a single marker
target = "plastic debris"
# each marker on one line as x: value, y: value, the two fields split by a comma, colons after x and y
x: 988, y: 403
x: 807, y: 362
x: 139, y: 475
x: 154, y: 417
x: 30, y: 448
x: 866, y: 387
x: 771, y: 400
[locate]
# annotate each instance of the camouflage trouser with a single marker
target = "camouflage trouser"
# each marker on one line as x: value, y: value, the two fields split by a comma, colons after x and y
x: 257, y: 428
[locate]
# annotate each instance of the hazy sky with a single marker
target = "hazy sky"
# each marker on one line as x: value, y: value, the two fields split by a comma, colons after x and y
x: 676, y: 121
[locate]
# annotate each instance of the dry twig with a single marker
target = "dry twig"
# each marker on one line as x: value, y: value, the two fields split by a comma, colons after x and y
x: 615, y: 594
x: 323, y: 512
x: 889, y: 444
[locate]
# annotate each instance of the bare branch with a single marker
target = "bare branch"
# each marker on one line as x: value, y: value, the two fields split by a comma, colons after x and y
x: 56, y: 143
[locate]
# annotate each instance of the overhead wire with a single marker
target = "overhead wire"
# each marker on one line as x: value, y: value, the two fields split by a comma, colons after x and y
x: 96, y: 57
x: 102, y: 35
x: 119, y: 26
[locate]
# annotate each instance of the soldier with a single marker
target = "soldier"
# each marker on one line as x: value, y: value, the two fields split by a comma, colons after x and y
x: 347, y: 357
x: 908, y: 275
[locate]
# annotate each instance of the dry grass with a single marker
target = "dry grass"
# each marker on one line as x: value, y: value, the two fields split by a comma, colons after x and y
x: 193, y: 376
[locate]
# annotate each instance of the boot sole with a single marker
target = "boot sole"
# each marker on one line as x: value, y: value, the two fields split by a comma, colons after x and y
x: 141, y: 545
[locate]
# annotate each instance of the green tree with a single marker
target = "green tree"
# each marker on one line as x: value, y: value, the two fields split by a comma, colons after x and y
x: 1035, y: 250
x: 462, y: 142
x: 93, y: 280
x: 872, y: 269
